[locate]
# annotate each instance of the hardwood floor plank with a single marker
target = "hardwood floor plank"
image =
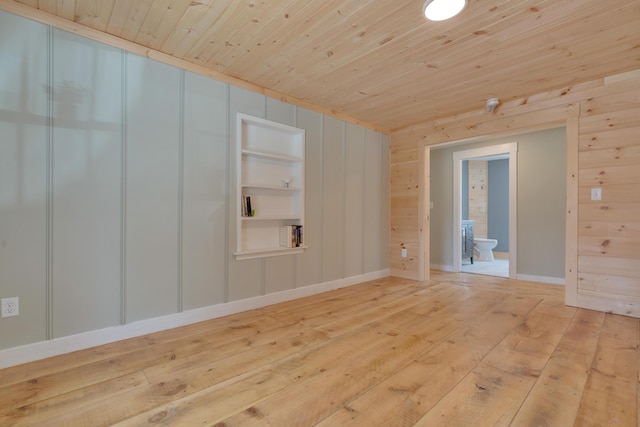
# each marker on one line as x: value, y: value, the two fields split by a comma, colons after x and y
x: 215, y: 404
x: 180, y: 376
x: 249, y: 324
x: 348, y: 382
x: 42, y: 412
x: 122, y: 363
x: 610, y: 394
x: 410, y: 393
x: 555, y: 397
x: 526, y: 350
x: 298, y: 368
x: 488, y: 396
x: 460, y: 349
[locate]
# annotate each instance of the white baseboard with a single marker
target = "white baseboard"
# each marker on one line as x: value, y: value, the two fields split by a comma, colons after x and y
x: 43, y: 349
x: 447, y: 268
x: 527, y: 277
x: 541, y: 279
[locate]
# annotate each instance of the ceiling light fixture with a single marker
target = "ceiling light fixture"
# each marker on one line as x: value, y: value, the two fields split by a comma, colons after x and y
x: 439, y: 10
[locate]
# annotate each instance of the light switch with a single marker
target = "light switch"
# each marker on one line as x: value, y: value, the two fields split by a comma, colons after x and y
x: 596, y: 194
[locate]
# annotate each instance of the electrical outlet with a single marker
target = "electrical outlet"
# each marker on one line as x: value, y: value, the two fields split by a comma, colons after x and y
x: 9, y: 307
x: 596, y: 194
x: 404, y: 252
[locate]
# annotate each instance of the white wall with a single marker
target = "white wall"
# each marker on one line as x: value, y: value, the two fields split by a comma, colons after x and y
x: 117, y: 189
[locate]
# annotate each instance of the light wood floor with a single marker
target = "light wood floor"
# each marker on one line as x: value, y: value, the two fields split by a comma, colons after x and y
x: 460, y: 350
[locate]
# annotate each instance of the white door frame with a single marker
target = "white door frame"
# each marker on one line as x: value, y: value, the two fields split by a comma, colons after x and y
x: 510, y: 149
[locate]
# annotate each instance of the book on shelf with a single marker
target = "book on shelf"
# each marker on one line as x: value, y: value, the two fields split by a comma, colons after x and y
x: 246, y: 206
x: 291, y: 236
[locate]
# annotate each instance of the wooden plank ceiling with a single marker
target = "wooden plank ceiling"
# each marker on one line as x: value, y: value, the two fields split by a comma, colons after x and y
x: 380, y: 61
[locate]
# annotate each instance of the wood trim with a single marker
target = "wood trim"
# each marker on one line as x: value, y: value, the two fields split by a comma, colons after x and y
x: 559, y: 114
x: 424, y: 214
x: 571, y: 231
x: 111, y: 40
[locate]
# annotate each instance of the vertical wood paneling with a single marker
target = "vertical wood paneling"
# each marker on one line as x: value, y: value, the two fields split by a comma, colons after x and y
x: 23, y: 178
x: 245, y: 278
x: 279, y: 271
x: 478, y: 196
x: 333, y: 199
x: 355, y: 213
x: 309, y: 263
x: 152, y: 144
x: 205, y: 188
x: 86, y: 176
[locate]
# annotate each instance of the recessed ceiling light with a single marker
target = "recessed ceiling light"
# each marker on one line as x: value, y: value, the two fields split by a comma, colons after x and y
x: 439, y: 10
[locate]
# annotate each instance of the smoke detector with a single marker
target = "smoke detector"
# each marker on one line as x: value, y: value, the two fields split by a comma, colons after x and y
x: 491, y: 105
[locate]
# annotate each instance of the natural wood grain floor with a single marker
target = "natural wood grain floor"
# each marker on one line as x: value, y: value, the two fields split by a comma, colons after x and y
x: 460, y: 350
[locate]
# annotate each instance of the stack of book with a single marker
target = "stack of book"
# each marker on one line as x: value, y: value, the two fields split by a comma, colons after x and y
x: 291, y: 236
x: 246, y: 206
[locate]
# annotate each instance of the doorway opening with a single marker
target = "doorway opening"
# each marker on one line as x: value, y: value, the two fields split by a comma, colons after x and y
x: 485, y: 262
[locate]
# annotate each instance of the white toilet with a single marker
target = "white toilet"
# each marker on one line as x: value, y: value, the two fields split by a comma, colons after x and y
x: 483, y: 248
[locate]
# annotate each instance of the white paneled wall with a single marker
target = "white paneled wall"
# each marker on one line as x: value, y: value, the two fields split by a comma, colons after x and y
x: 117, y: 189
x: 24, y: 154
x: 204, y: 191
x: 354, y: 213
x: 86, y: 171
x: 279, y: 272
x: 152, y: 144
x: 333, y: 199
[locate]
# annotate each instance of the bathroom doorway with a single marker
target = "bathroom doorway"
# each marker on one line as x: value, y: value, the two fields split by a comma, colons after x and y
x: 476, y: 164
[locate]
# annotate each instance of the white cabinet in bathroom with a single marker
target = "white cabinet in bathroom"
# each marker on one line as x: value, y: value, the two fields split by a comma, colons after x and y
x: 467, y: 239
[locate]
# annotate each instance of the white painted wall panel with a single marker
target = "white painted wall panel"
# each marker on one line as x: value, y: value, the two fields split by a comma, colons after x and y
x: 204, y: 192
x: 244, y: 278
x: 309, y: 263
x: 23, y: 178
x: 279, y: 272
x: 86, y: 174
x: 333, y: 199
x: 355, y: 211
x: 152, y: 181
x: 372, y: 238
x: 385, y: 204
x: 125, y: 142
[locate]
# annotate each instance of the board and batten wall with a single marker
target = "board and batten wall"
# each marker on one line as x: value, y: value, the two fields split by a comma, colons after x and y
x: 117, y: 194
x: 602, y: 268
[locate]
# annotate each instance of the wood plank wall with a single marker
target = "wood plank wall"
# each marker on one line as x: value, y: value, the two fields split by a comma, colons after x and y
x: 479, y: 196
x: 603, y: 150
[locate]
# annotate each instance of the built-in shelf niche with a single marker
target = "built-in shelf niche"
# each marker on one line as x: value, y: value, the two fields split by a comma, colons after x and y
x: 270, y: 172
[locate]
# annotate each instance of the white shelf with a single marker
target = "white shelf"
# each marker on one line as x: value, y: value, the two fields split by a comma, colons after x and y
x: 270, y: 187
x: 267, y: 252
x: 270, y: 218
x: 269, y: 155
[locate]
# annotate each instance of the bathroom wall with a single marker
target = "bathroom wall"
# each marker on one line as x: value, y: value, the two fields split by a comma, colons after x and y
x: 117, y: 189
x: 498, y: 201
